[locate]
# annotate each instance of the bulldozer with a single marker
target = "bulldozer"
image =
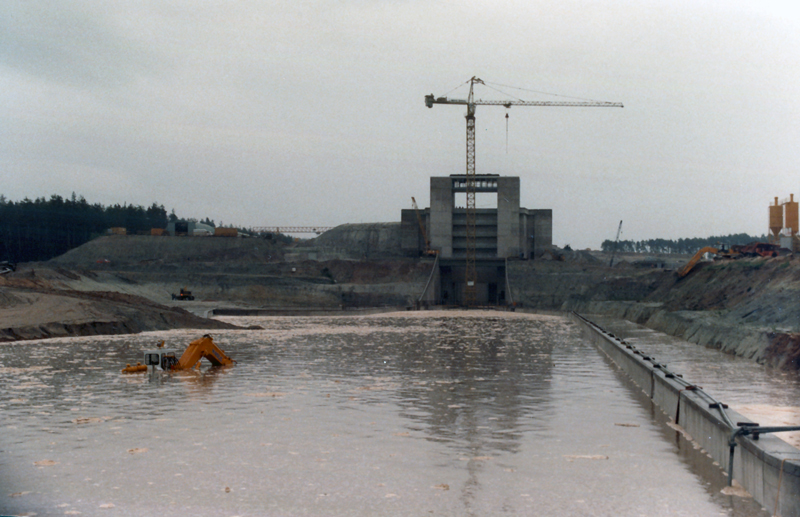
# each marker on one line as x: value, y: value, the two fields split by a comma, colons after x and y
x: 166, y: 359
x: 185, y: 294
x: 7, y: 267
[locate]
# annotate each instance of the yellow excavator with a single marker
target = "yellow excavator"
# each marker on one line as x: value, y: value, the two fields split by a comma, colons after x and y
x: 687, y: 268
x: 165, y: 359
x: 733, y: 252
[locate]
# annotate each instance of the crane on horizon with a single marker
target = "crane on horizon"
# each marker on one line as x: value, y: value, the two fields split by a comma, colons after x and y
x: 470, y: 103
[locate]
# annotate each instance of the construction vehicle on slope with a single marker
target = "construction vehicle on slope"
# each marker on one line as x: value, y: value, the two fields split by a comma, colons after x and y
x: 7, y: 267
x: 616, y: 245
x: 754, y: 249
x: 185, y: 294
x: 758, y: 249
x: 687, y: 268
x: 166, y: 359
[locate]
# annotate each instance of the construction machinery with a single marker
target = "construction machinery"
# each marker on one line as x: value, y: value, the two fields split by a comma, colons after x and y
x: 687, y: 268
x: 166, y: 359
x: 185, y: 294
x: 427, y: 250
x: 754, y: 249
x: 758, y: 249
x: 470, y: 289
x: 616, y: 245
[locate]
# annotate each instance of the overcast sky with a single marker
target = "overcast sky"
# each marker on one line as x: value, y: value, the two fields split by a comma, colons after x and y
x: 262, y: 113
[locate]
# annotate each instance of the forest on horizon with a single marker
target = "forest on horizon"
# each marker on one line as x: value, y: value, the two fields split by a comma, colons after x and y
x: 679, y: 246
x: 41, y: 229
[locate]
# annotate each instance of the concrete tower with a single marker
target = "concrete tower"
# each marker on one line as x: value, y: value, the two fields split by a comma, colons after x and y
x: 507, y: 231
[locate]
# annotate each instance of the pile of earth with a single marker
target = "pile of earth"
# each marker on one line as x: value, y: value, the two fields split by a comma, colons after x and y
x: 121, y: 284
x: 358, y: 241
x: 147, y: 252
x: 33, y: 307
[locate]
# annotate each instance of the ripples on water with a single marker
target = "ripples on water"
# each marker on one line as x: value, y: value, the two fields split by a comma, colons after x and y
x: 468, y: 413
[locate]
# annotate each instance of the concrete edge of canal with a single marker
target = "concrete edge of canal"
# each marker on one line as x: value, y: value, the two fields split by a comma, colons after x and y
x: 764, y: 465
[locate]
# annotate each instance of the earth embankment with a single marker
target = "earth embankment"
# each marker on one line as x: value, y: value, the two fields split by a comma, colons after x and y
x: 34, y: 307
x: 747, y: 307
x: 124, y: 284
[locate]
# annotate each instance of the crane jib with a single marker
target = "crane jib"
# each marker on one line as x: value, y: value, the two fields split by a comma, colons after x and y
x: 430, y: 101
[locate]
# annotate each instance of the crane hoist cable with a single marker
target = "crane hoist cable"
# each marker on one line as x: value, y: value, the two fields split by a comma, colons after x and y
x: 506, y: 132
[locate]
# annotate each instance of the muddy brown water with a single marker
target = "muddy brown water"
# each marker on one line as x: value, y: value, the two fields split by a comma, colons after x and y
x: 455, y: 413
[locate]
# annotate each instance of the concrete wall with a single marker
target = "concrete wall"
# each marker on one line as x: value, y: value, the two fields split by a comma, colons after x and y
x: 441, y: 215
x: 542, y: 236
x: 768, y: 468
x: 485, y: 233
x: 508, y: 224
x: 411, y: 241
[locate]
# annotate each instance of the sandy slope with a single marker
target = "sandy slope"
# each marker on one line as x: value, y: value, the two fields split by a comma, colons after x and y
x: 33, y: 307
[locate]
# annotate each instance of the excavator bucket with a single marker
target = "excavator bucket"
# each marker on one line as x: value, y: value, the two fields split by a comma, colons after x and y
x: 200, y: 348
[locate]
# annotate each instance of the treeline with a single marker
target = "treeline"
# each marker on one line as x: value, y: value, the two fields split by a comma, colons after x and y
x: 45, y: 228
x: 685, y: 246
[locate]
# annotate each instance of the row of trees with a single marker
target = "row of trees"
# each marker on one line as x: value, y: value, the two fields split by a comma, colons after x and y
x: 685, y: 246
x: 45, y: 228
x: 42, y: 229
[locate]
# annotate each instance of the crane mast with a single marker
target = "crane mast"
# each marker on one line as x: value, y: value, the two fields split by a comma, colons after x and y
x: 470, y: 280
x: 616, y: 245
x: 471, y: 275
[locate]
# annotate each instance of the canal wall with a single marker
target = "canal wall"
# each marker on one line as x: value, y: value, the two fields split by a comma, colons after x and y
x: 701, y: 327
x: 766, y: 466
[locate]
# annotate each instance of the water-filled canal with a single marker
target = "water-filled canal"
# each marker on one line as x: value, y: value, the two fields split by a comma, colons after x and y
x: 432, y: 413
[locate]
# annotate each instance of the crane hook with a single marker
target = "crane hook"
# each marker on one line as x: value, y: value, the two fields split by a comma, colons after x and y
x: 506, y: 132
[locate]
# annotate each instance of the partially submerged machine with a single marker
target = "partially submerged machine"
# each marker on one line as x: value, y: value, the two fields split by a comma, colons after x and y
x: 166, y: 359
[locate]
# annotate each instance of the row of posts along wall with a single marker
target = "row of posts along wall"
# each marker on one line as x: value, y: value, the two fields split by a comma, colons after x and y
x: 768, y: 468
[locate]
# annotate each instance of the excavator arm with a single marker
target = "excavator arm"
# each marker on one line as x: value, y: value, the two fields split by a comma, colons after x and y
x: 200, y: 348
x: 686, y: 269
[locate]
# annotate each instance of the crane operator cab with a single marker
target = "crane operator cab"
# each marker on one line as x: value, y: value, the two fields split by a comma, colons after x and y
x: 161, y: 359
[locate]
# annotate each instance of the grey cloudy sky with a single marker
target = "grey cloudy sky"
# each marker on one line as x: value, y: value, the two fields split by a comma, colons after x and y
x: 263, y: 113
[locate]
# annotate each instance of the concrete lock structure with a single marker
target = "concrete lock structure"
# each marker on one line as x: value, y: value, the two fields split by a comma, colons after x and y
x: 507, y: 231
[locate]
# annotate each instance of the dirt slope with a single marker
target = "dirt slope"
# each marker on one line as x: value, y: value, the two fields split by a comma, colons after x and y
x: 747, y: 307
x: 31, y: 308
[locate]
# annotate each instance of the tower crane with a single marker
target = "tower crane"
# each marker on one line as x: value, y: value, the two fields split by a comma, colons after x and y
x: 616, y: 245
x: 470, y: 290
